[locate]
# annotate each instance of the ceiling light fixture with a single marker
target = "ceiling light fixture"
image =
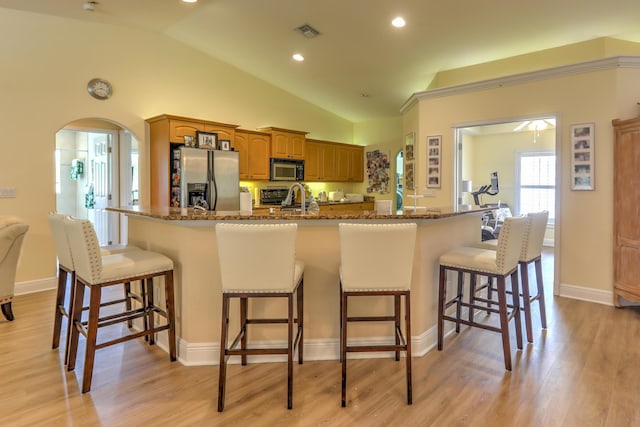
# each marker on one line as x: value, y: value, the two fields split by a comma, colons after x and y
x: 190, y: 1
x: 298, y: 57
x: 398, y: 22
x: 89, y: 6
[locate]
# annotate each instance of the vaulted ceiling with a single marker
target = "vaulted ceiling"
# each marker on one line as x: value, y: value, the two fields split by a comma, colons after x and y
x: 360, y: 67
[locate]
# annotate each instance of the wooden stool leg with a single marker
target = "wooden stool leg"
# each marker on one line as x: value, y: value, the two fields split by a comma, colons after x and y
x: 243, y: 327
x: 472, y: 294
x: 76, y: 317
x: 7, y: 311
x: 516, y: 307
x: 149, y: 309
x: 396, y: 313
x: 459, y: 303
x: 540, y: 283
x: 224, y: 329
x: 143, y: 296
x: 290, y: 351
x: 504, y: 322
x: 171, y: 313
x: 343, y: 346
x: 340, y: 350
x: 70, y: 325
x: 300, y: 306
x: 442, y: 296
x: 92, y: 335
x: 526, y: 299
x: 60, y: 309
x: 407, y: 314
x: 127, y: 301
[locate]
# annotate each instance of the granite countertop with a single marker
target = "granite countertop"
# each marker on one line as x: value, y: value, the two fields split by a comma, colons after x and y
x: 178, y: 214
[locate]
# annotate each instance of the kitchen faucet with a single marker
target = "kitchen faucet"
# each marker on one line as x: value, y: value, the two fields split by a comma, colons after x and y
x: 289, y: 199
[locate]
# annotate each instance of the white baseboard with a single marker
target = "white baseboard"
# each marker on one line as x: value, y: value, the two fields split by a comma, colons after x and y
x: 586, y: 294
x: 23, y: 288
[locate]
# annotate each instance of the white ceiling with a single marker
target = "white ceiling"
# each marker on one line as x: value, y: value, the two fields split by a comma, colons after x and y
x: 358, y: 51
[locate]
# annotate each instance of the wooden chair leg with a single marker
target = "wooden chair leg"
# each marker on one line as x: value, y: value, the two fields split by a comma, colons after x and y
x: 343, y: 346
x: 407, y: 314
x: 171, y: 313
x: 300, y: 306
x: 92, y: 335
x: 222, y: 371
x: 290, y: 351
x: 526, y: 299
x: 7, y: 311
x: 442, y: 296
x: 76, y: 317
x: 541, y: 302
x: 60, y: 309
x: 504, y: 322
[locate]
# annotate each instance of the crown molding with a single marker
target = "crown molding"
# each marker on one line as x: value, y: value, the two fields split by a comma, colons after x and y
x: 548, y: 73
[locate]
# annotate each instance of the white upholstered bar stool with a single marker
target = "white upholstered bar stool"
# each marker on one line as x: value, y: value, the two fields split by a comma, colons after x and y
x: 12, y: 232
x: 94, y: 271
x: 377, y: 260
x: 66, y: 271
x: 498, y: 264
x: 258, y: 261
x: 531, y: 253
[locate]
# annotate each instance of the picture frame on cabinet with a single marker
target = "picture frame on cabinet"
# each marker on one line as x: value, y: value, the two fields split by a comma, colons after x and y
x: 208, y: 140
x: 582, y: 157
x: 225, y: 145
x: 434, y: 148
x: 189, y: 141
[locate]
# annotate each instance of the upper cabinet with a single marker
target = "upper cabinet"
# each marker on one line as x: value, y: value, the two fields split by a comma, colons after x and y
x: 333, y: 162
x: 286, y: 143
x: 167, y: 132
x: 254, y: 149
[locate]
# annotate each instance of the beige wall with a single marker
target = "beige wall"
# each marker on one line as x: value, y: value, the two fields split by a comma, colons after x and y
x: 46, y: 64
x: 585, y: 217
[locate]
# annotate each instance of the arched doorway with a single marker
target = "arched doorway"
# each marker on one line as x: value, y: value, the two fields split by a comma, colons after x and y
x: 96, y: 164
x: 399, y: 179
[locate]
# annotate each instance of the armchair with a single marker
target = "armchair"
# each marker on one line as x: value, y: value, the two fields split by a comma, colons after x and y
x: 12, y: 231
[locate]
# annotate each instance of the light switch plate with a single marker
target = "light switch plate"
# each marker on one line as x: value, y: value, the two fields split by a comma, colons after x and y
x: 7, y: 192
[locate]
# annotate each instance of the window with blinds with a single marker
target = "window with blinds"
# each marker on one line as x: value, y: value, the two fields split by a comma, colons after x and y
x: 536, y: 184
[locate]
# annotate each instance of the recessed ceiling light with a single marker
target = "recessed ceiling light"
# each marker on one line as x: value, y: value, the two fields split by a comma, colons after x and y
x: 190, y: 1
x: 398, y: 22
x: 298, y: 57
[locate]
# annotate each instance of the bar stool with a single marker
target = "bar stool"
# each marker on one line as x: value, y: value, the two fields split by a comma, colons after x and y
x: 66, y: 269
x: 377, y: 260
x: 12, y: 233
x: 531, y: 253
x: 258, y: 261
x: 95, y: 272
x: 499, y: 264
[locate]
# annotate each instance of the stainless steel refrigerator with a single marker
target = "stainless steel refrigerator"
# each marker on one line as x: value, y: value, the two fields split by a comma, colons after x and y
x: 209, y: 175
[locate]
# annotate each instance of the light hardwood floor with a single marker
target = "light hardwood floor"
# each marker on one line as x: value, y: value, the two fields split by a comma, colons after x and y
x: 582, y: 371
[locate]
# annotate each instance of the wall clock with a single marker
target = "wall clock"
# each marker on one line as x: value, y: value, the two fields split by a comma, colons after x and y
x: 99, y: 89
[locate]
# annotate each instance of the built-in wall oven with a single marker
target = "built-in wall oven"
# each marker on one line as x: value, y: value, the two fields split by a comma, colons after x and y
x: 287, y: 170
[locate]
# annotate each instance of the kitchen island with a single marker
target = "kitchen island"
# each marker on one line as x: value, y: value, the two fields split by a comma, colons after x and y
x: 188, y: 238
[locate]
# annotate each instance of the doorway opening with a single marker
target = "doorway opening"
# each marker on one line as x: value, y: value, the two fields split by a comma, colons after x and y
x: 96, y: 166
x: 523, y: 154
x: 399, y: 179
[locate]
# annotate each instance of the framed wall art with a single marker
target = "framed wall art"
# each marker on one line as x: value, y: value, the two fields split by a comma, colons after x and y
x: 408, y: 146
x: 582, y: 160
x: 207, y: 140
x: 434, y: 164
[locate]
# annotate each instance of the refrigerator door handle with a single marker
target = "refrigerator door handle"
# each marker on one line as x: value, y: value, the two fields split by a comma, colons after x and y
x: 212, y: 181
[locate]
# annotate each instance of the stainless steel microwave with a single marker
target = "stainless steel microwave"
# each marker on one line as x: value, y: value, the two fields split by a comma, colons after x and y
x: 286, y: 170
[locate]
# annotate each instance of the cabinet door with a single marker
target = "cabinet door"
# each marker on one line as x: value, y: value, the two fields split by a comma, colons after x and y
x: 296, y: 146
x: 312, y: 161
x: 241, y: 145
x: 328, y: 165
x: 356, y: 170
x: 280, y: 145
x: 179, y: 128
x: 343, y: 159
x: 223, y: 132
x: 259, y: 153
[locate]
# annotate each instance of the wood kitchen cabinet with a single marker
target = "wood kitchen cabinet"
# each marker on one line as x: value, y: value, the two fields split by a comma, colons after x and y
x: 286, y: 143
x: 626, y: 210
x: 254, y: 149
x: 167, y: 132
x: 333, y: 162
